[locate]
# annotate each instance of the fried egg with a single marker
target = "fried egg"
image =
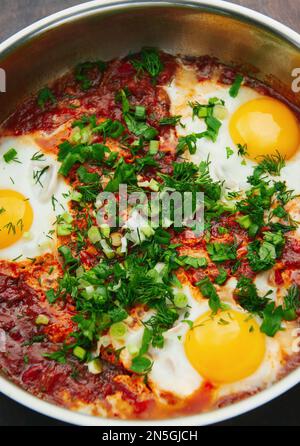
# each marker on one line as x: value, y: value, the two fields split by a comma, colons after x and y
x: 31, y: 197
x: 262, y: 124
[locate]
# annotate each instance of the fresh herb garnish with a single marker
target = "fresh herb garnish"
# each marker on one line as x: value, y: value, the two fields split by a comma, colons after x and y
x: 45, y: 96
x: 235, y: 87
x: 209, y: 291
x: 83, y: 70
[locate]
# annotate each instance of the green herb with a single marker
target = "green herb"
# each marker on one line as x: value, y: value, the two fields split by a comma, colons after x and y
x: 242, y: 150
x: 291, y: 303
x: 235, y: 87
x: 188, y: 142
x: 34, y: 340
x: 206, y: 111
x: 195, y: 262
x: 141, y: 365
x: 262, y: 255
x: 69, y: 261
x: 221, y: 277
x: 51, y: 296
x: 248, y: 297
x: 272, y: 164
x: 17, y: 258
x: 124, y: 174
x: 139, y: 128
x: 222, y: 230
x: 38, y: 156
x: 59, y: 356
x: 170, y: 120
x: 70, y: 155
x: 109, y: 128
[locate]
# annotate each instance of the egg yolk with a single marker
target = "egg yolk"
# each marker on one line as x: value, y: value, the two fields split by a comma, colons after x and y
x: 16, y: 217
x: 266, y: 126
x: 225, y: 347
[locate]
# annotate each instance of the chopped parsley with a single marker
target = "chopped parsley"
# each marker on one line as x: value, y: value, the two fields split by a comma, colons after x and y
x: 149, y: 62
x: 209, y: 291
x: 229, y: 152
x: 220, y: 252
x: 83, y: 70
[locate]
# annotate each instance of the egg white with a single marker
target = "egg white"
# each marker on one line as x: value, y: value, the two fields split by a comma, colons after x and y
x: 221, y: 168
x: 18, y: 176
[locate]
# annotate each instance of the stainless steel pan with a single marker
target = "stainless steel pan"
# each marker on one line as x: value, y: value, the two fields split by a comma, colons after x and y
x: 105, y: 29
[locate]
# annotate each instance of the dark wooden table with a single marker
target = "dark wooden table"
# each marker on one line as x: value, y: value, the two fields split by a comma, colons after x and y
x: 15, y: 15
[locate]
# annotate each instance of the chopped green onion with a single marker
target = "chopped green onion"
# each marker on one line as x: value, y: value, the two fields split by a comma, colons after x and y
x: 42, y: 319
x: 67, y: 217
x: 220, y: 112
x: 118, y: 330
x: 153, y: 147
x: 244, y: 221
x: 79, y: 271
x: 235, y: 87
x: 94, y: 234
x: 133, y: 349
x: 76, y: 196
x: 147, y: 230
x: 45, y: 95
x: 79, y: 352
x: 252, y: 231
x: 229, y: 152
x: 10, y: 155
x: 81, y: 135
x: 229, y: 207
x: 95, y: 366
x: 64, y: 229
x: 150, y: 133
x: 140, y: 112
